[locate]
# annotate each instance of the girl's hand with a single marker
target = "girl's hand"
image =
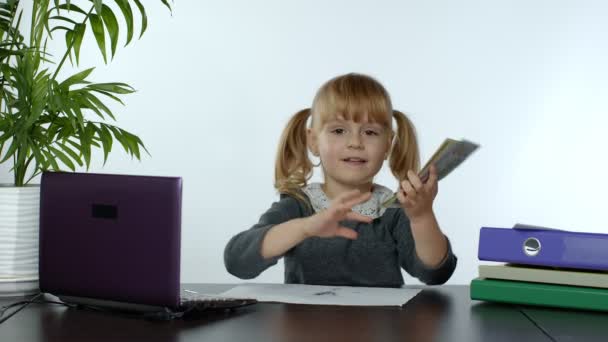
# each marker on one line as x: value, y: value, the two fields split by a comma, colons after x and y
x: 417, y: 198
x: 326, y: 222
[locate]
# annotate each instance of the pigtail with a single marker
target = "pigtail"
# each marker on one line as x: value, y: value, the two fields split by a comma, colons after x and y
x: 293, y: 168
x: 405, y: 154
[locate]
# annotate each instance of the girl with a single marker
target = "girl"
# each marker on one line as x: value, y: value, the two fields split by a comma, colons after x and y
x: 337, y: 233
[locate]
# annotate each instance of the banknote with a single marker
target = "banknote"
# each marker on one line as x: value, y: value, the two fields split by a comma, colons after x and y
x: 446, y: 158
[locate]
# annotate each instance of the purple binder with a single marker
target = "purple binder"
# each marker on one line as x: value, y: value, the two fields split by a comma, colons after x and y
x: 544, y: 247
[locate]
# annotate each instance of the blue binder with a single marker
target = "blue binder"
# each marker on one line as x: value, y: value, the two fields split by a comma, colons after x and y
x: 544, y: 247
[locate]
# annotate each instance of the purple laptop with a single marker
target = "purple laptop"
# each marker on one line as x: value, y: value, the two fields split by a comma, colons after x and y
x: 112, y: 240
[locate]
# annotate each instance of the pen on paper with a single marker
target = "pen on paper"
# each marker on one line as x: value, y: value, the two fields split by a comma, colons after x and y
x: 326, y: 293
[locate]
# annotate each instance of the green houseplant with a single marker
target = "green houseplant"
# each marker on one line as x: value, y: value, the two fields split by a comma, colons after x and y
x: 43, y: 120
x: 53, y: 123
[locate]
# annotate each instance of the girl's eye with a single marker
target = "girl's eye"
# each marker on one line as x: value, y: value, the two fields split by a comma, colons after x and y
x: 370, y: 132
x: 338, y: 131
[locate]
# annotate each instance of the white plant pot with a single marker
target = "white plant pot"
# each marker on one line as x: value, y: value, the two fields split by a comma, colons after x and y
x: 19, y: 216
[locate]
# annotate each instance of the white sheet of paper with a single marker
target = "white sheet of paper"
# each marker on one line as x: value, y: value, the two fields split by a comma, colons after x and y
x: 323, y: 295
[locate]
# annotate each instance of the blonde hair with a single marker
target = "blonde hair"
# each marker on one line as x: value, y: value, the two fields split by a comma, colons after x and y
x: 352, y: 96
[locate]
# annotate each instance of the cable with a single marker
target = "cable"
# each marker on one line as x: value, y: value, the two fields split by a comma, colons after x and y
x: 545, y: 332
x: 23, y: 304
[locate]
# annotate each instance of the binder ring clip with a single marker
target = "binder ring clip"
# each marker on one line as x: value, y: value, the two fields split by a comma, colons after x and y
x: 531, y: 246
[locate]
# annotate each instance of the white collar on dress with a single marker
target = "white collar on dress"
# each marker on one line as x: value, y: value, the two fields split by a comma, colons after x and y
x: 372, y: 207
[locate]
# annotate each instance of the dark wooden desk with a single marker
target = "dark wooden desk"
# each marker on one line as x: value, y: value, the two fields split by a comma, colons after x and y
x: 436, y: 314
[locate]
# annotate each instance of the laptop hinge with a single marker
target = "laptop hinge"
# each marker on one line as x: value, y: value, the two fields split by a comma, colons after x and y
x: 110, y: 304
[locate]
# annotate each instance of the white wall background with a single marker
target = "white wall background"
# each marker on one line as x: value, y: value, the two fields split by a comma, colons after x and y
x: 218, y: 80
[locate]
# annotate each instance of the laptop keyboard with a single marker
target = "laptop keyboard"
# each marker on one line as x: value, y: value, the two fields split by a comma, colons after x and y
x: 194, y: 301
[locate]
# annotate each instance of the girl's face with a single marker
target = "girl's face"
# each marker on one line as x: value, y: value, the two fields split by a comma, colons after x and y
x: 351, y: 152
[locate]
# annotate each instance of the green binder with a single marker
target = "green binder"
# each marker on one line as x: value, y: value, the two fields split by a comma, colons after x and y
x: 519, y: 292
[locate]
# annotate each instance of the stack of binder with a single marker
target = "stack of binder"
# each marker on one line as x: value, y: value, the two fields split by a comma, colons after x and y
x: 542, y: 266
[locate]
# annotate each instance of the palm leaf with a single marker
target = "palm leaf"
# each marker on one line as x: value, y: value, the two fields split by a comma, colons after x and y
x: 8, y: 11
x: 75, y: 156
x: 98, y: 104
x: 127, y: 13
x: 79, y: 30
x: 76, y: 79
x: 41, y: 161
x: 62, y: 18
x: 144, y: 17
x: 112, y: 26
x: 12, y: 148
x: 51, y: 160
x: 85, y: 144
x: 64, y: 28
x: 63, y: 157
x: 114, y: 87
x: 166, y: 3
x: 69, y: 38
x: 39, y: 21
x: 69, y: 7
x: 108, y: 95
x: 99, y: 33
x: 106, y: 140
x: 98, y: 6
x: 121, y: 138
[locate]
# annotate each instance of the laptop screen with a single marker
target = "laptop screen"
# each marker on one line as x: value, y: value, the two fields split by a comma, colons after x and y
x: 111, y: 237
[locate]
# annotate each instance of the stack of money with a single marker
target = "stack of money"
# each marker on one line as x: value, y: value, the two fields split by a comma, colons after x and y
x: 448, y: 156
